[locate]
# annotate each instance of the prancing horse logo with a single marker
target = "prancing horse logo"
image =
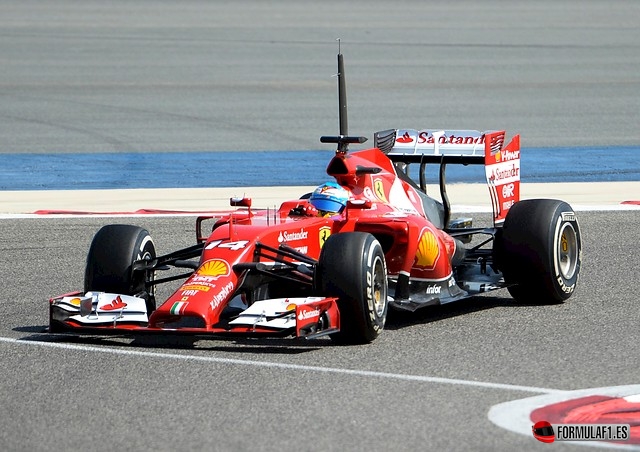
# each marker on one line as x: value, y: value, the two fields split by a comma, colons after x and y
x: 378, y: 189
x: 323, y: 234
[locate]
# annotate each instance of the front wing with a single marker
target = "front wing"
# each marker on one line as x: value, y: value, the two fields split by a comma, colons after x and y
x: 108, y: 313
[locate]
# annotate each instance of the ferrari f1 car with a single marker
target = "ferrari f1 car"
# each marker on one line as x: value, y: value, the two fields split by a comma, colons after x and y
x: 291, y: 272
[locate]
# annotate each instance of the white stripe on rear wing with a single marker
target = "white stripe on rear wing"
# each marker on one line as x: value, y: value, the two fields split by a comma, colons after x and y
x: 432, y: 142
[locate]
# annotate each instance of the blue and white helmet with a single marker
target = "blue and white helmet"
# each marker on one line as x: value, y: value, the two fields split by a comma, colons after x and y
x: 329, y: 197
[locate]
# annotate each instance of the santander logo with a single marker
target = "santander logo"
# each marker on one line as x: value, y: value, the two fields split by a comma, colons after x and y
x: 306, y: 315
x: 406, y: 138
x: 115, y: 304
x: 286, y: 236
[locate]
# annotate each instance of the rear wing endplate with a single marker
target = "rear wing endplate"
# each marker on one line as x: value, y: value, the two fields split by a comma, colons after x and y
x: 468, y: 147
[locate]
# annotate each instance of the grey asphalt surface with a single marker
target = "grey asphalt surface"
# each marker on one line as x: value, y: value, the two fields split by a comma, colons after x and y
x: 148, y: 75
x: 159, y: 76
x: 180, y: 395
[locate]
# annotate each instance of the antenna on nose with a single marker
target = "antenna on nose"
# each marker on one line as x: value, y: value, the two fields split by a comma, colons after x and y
x: 343, y: 139
x: 342, y: 95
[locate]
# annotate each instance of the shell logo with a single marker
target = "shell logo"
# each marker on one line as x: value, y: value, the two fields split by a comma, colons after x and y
x: 75, y: 301
x: 428, y: 250
x: 214, y: 268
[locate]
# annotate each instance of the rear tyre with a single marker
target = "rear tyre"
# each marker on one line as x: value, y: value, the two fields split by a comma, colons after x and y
x: 352, y: 268
x: 109, y: 263
x: 541, y: 251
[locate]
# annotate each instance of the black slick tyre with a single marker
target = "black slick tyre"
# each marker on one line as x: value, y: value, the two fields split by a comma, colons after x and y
x: 352, y: 268
x: 109, y: 262
x: 540, y: 251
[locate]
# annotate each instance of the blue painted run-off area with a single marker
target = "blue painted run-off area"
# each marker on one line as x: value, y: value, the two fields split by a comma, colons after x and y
x: 273, y: 168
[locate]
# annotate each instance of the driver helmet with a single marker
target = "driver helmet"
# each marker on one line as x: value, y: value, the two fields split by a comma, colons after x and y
x: 329, y: 198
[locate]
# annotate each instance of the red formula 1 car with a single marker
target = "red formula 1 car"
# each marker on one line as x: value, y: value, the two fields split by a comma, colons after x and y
x: 297, y: 271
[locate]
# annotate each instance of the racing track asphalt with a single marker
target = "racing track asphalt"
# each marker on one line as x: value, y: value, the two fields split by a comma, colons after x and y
x: 151, y: 76
x: 66, y: 393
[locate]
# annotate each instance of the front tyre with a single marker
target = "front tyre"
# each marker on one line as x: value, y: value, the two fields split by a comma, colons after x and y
x: 352, y: 268
x: 541, y: 251
x: 112, y: 252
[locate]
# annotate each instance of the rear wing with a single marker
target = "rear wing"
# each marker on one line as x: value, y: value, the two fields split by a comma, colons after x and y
x: 467, y: 147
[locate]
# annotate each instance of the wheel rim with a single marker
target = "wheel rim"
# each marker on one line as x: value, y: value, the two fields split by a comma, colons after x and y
x: 567, y: 251
x: 379, y: 288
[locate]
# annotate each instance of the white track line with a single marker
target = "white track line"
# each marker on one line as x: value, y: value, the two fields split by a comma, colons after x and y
x: 274, y: 365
